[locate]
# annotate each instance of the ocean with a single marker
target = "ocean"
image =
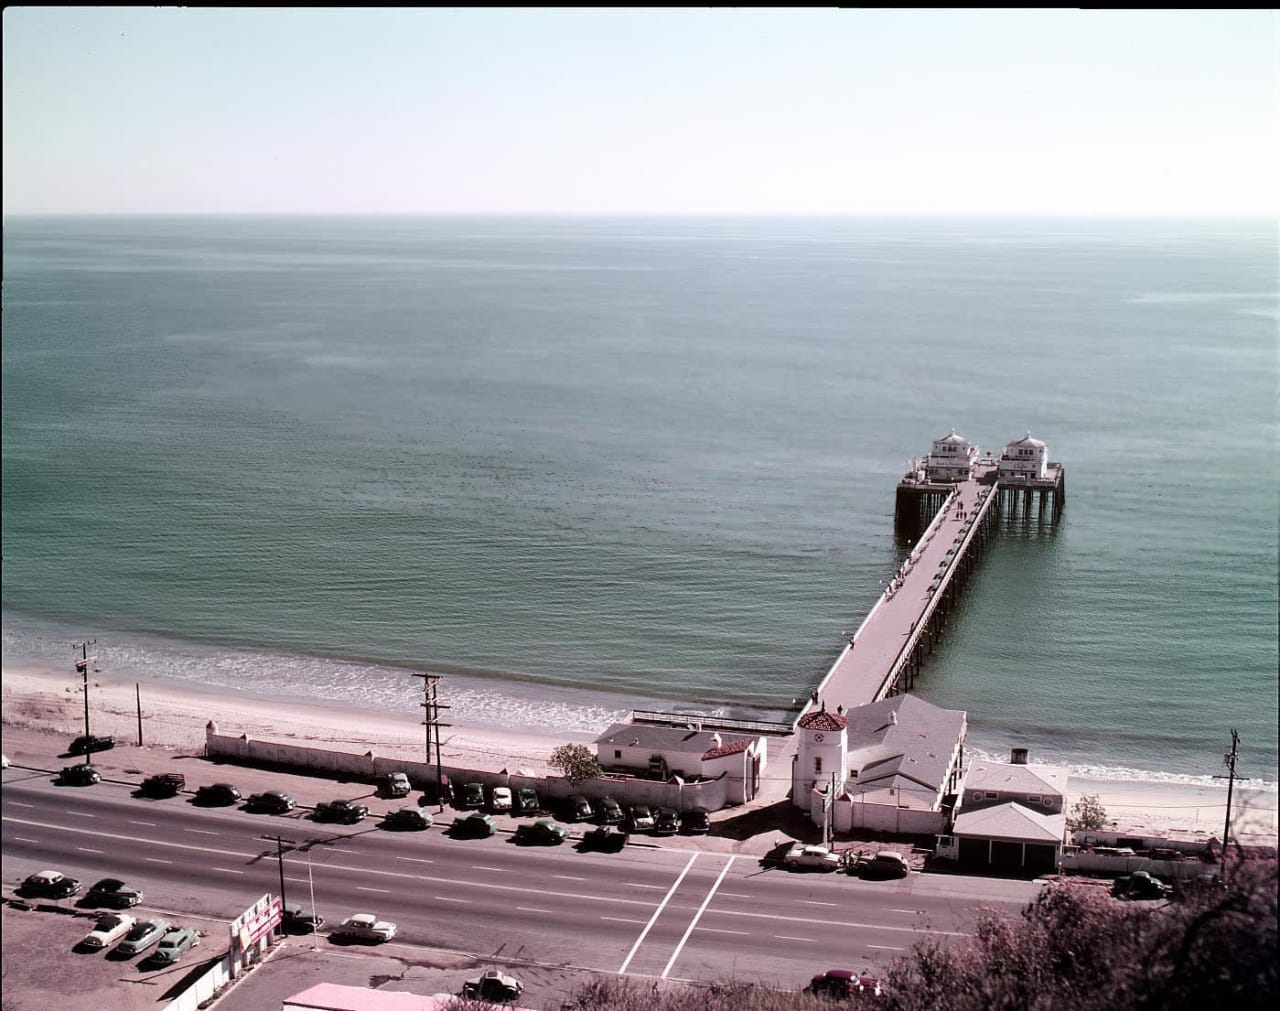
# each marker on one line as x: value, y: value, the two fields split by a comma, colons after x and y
x: 580, y: 465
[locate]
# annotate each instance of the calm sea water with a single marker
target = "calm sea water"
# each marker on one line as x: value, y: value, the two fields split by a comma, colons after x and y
x: 581, y: 464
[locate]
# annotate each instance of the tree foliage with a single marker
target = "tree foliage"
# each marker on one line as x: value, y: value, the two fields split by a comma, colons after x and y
x: 1087, y: 813
x: 575, y: 762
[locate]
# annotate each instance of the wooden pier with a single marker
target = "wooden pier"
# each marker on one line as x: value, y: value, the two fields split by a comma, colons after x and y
x: 947, y: 526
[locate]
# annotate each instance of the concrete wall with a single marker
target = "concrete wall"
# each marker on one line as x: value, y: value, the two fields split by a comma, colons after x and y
x: 203, y: 987
x: 711, y: 794
x: 1086, y: 861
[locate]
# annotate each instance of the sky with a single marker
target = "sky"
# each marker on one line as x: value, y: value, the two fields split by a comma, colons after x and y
x: 640, y: 111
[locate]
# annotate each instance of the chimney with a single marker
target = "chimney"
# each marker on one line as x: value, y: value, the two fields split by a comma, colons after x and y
x: 715, y: 740
x: 893, y: 717
x: 1018, y: 756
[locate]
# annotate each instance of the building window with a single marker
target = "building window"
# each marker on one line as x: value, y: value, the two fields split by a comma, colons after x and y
x: 1034, y: 798
x: 817, y: 766
x: 617, y: 754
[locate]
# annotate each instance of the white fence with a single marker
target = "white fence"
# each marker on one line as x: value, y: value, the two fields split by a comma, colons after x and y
x: 203, y: 987
x: 712, y: 794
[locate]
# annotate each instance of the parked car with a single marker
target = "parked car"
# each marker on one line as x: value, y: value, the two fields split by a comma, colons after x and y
x: 347, y: 812
x: 666, y: 821
x: 543, y: 832
x: 298, y: 920
x: 50, y: 885
x: 806, y: 857
x: 218, y: 795
x: 271, y: 802
x: 493, y: 986
x: 164, y: 784
x: 578, y: 808
x: 696, y: 821
x: 365, y: 927
x: 79, y: 775
x: 113, y: 892
x: 527, y: 801
x: 142, y: 936
x: 412, y: 818
x: 500, y: 800
x: 640, y: 819
x: 609, y: 811
x: 476, y: 825
x: 87, y: 744
x: 843, y: 984
x: 174, y: 945
x: 109, y: 929
x: 472, y: 796
x: 885, y: 864
x: 604, y: 838
x: 394, y: 785
x: 1140, y: 885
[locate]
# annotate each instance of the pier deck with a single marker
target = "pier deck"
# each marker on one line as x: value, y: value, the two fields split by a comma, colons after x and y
x: 886, y: 650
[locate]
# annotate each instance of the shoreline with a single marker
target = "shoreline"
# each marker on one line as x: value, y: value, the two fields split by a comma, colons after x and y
x: 175, y: 716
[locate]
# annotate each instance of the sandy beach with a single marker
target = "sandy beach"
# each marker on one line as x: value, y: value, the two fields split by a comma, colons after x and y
x: 174, y: 719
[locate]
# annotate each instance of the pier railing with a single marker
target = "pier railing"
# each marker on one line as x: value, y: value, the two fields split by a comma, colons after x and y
x: 698, y: 722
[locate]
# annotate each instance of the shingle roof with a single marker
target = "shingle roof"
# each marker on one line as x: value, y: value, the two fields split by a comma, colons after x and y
x: 822, y: 720
x: 1005, y: 778
x: 660, y: 738
x: 919, y: 744
x: 1011, y: 822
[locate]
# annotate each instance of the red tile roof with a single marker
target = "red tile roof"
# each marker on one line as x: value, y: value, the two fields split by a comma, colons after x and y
x: 822, y: 720
x: 732, y: 748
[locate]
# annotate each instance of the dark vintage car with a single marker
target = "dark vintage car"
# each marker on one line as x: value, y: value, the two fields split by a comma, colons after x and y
x: 410, y: 818
x: 696, y: 821
x: 86, y: 744
x: 394, y: 785
x: 345, y: 812
x: 217, y: 795
x: 578, y: 808
x: 843, y: 984
x: 164, y: 784
x: 609, y: 811
x: 527, y: 801
x: 471, y: 796
x: 1140, y: 885
x: 476, y: 825
x: 666, y: 821
x: 113, y: 892
x: 493, y: 986
x: 271, y: 802
x: 604, y: 839
x: 49, y: 885
x: 298, y: 920
x: 543, y: 832
x: 79, y: 775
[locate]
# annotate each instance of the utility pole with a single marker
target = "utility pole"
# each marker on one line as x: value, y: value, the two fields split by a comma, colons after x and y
x: 828, y: 803
x: 279, y: 841
x: 432, y: 726
x: 82, y: 668
x: 1229, y: 759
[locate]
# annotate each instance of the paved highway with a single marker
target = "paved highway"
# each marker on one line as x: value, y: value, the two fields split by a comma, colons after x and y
x: 672, y: 911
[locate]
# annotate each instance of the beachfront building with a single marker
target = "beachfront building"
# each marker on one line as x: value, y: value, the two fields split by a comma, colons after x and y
x: 951, y: 460
x: 688, y: 752
x: 1024, y: 459
x: 901, y: 759
x: 1011, y: 816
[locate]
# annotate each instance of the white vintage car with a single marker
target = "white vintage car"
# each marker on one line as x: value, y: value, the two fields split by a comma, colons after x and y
x: 109, y: 929
x: 803, y: 857
x: 365, y: 927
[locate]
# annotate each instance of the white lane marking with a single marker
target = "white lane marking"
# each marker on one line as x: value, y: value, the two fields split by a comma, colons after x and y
x: 506, y: 889
x: 815, y: 902
x: 620, y: 919
x: 416, y: 860
x: 885, y: 947
x: 450, y: 898
x: 482, y: 867
x: 788, y: 937
x: 714, y: 930
x: 156, y: 860
x: 808, y: 920
x: 23, y: 838
x: 697, y: 916
x: 146, y: 824
x: 85, y: 849
x: 568, y: 877
x: 532, y: 909
x: 383, y: 891
x: 18, y: 803
x: 637, y: 884
x: 912, y: 911
x: 656, y: 913
x: 227, y: 870
x: 81, y: 814
x: 201, y: 831
x: 736, y: 895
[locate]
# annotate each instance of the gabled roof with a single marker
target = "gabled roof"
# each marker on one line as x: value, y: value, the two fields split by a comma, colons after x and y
x: 1004, y: 778
x: 954, y: 439
x: 671, y: 739
x: 1011, y: 822
x: 1026, y: 440
x: 820, y: 719
x: 904, y: 735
